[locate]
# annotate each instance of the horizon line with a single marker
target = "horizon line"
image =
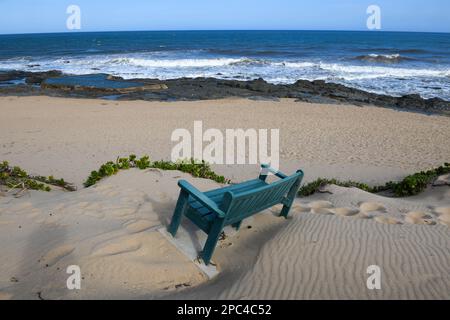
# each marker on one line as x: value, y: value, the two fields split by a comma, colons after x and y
x: 221, y: 30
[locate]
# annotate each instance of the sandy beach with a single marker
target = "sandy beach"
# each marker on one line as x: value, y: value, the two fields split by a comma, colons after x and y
x: 70, y: 137
x: 321, y: 252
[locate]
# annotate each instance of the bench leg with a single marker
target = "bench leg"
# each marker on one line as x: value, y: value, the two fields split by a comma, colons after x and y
x: 237, y: 225
x: 285, y: 211
x: 211, y: 242
x: 181, y: 207
x: 290, y: 199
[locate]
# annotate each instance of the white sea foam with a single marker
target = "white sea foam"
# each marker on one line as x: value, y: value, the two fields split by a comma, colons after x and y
x: 393, y: 80
x: 350, y: 72
x: 178, y: 63
x: 297, y: 64
x: 386, y: 56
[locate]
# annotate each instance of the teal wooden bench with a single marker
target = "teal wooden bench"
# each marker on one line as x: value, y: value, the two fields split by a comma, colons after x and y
x: 213, y: 210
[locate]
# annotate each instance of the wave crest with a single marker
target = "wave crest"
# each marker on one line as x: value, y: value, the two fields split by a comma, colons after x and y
x: 178, y: 63
x: 383, y: 58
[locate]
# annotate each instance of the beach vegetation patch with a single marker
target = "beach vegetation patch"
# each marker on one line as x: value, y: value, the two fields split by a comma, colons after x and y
x: 409, y: 186
x: 16, y: 177
x: 416, y: 183
x: 196, y: 169
x: 314, y: 186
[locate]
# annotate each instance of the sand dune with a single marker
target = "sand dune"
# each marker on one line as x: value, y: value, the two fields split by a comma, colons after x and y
x: 110, y: 231
x: 322, y: 252
x: 317, y: 256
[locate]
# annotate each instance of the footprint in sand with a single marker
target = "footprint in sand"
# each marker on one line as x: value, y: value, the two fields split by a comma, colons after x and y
x: 320, y: 205
x: 371, y: 206
x: 300, y: 208
x: 445, y: 219
x: 419, y: 218
x: 364, y: 215
x: 387, y: 220
x: 119, y: 247
x: 345, y: 212
x: 443, y: 214
x: 140, y: 225
x: 56, y: 254
x: 442, y: 210
x: 322, y: 211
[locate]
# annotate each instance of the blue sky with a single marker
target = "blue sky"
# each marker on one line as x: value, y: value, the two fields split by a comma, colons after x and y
x: 28, y: 16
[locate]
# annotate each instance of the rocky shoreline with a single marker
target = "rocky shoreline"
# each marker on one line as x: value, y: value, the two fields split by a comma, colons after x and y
x: 54, y: 83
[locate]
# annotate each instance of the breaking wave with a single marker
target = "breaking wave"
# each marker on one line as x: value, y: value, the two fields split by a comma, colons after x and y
x: 389, y: 79
x: 383, y: 58
x: 372, y: 72
x: 178, y: 63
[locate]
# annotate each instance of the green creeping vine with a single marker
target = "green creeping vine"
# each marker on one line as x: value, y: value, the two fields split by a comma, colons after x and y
x: 15, y: 177
x: 199, y: 170
x: 409, y: 186
x: 312, y: 187
x: 416, y: 183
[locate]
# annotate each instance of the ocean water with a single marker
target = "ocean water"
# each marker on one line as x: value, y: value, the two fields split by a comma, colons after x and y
x: 382, y: 62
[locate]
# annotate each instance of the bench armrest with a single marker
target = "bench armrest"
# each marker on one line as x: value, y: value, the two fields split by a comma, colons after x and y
x: 266, y: 169
x: 201, y: 197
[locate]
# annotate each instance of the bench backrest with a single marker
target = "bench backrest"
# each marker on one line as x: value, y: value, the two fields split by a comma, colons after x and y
x: 242, y: 205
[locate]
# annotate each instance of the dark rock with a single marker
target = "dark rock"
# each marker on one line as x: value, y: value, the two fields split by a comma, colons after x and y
x: 259, y: 98
x: 12, y: 75
x: 101, y: 85
x: 39, y: 77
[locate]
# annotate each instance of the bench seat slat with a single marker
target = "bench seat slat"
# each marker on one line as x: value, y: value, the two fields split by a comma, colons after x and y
x: 217, y: 195
x: 202, y: 216
x: 237, y: 188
